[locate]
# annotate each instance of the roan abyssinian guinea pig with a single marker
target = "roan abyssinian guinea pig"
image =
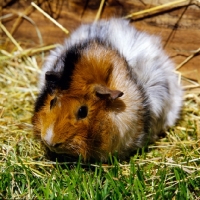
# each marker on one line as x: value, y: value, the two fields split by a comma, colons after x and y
x: 109, y: 88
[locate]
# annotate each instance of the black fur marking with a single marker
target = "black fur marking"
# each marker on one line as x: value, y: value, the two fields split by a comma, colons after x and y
x: 52, y: 76
x: 40, y: 101
x: 69, y: 60
x: 145, y: 102
x: 147, y: 108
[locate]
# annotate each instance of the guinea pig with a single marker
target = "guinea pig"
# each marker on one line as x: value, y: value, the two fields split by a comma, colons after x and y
x: 110, y: 88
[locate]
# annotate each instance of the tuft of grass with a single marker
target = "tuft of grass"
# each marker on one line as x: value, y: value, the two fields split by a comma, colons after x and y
x: 168, y: 169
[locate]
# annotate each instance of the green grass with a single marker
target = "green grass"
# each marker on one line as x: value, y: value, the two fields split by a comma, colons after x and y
x: 168, y: 169
x: 138, y: 179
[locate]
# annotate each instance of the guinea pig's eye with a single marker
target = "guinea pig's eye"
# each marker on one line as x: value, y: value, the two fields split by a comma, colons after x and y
x: 53, y: 102
x: 82, y: 112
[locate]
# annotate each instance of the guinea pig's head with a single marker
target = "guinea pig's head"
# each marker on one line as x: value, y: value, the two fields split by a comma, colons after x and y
x: 75, y: 121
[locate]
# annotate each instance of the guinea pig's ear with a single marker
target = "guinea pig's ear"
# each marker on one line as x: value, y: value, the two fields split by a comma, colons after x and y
x: 106, y: 92
x: 52, y: 78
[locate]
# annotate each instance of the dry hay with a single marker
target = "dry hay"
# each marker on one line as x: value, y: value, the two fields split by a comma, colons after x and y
x: 19, y: 70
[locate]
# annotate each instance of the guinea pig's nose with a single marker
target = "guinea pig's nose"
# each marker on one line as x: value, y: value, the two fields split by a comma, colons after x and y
x: 56, y: 145
x: 50, y: 144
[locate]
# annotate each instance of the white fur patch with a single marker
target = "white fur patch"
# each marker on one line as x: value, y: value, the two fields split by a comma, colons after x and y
x: 49, y: 134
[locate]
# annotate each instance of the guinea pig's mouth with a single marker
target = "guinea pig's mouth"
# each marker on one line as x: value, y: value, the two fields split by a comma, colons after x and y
x: 74, y: 153
x: 62, y: 149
